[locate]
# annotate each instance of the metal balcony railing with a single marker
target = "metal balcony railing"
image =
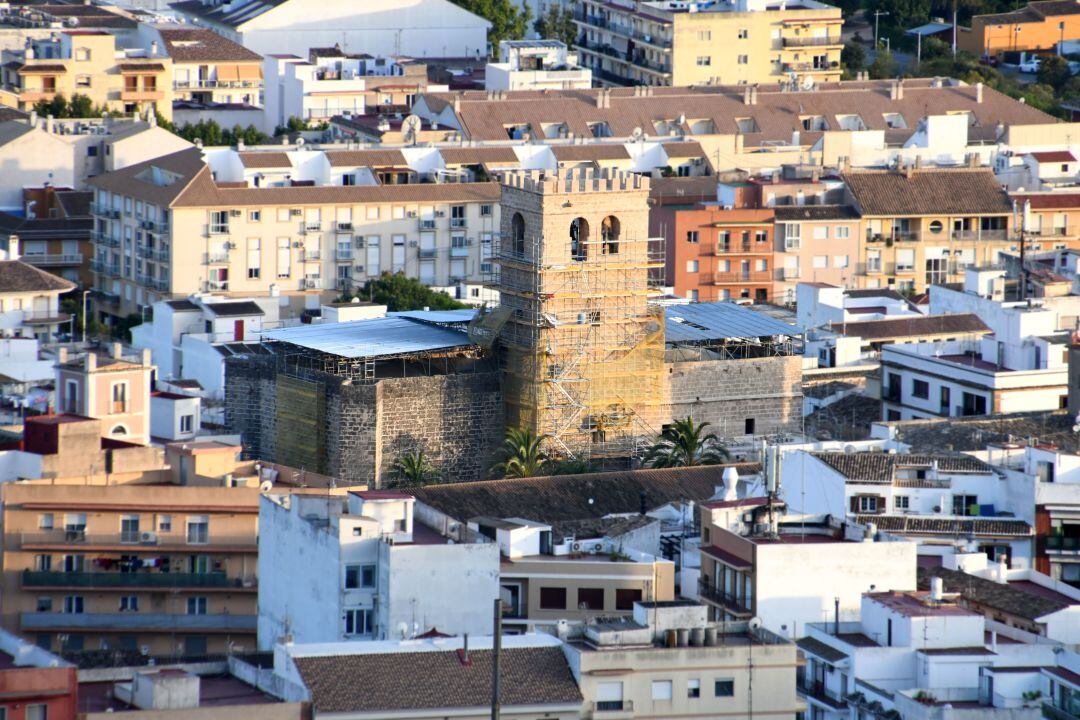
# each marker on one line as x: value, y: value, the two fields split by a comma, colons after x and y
x: 104, y: 211
x: 800, y: 42
x: 33, y: 578
x: 161, y: 622
x: 145, y: 541
x: 49, y: 259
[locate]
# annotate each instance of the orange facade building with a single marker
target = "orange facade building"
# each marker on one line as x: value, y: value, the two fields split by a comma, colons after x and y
x: 722, y: 254
x: 1038, y: 27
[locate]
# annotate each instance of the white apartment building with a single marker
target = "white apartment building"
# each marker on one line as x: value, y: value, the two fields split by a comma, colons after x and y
x: 30, y: 298
x: 943, y: 502
x: 289, y: 223
x: 1022, y: 365
x: 207, y: 67
x: 536, y: 65
x: 328, y: 82
x: 357, y: 567
x: 921, y: 654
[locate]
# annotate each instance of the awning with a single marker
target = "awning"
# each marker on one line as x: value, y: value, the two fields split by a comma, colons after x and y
x: 249, y: 72
x: 228, y: 73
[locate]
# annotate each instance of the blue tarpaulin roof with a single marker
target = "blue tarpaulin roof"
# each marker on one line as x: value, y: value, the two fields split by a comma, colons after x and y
x: 379, y: 337
x: 929, y: 29
x: 700, y: 322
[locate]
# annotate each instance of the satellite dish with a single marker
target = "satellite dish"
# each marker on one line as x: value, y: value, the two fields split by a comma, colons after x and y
x: 266, y: 486
x: 410, y: 126
x: 637, y: 134
x: 403, y: 629
x: 849, y: 449
x: 755, y: 623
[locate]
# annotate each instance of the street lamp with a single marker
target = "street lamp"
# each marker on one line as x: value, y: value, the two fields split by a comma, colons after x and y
x: 1061, y: 45
x: 877, y: 14
x: 85, y: 293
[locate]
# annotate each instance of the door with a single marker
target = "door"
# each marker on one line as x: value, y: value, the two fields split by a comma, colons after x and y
x: 238, y: 331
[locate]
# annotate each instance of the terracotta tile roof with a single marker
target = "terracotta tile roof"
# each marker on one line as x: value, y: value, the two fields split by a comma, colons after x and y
x: 879, y: 467
x: 428, y: 680
x: 794, y: 213
x: 478, y: 155
x: 952, y: 527
x: 265, y: 159
x: 819, y: 649
x: 74, y: 203
x: 43, y: 68
x: 571, y: 497
x: 913, y: 326
x: 141, y: 67
x: 135, y: 179
x: 1054, y: 156
x: 935, y: 191
x: 684, y: 149
x: 987, y: 593
x: 17, y: 277
x: 194, y: 45
x: 590, y: 152
x: 1050, y: 200
x: 776, y: 114
x: 1034, y: 12
x: 369, y: 158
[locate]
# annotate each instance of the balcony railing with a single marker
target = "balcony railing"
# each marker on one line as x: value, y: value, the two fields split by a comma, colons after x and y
x: 160, y: 622
x: 312, y: 255
x: 217, y: 258
x: 103, y: 239
x: 146, y: 541
x: 343, y: 254
x: 801, y: 42
x: 46, y: 260
x: 1063, y: 543
x: 104, y: 211
x: 155, y: 226
x: 196, y: 84
x: 428, y: 253
x: 218, y: 228
x: 33, y: 578
x: 821, y: 694
x: 104, y: 268
x: 427, y: 224
x: 1053, y: 712
x: 742, y: 277
x: 612, y: 709
x: 457, y: 222
x: 719, y: 597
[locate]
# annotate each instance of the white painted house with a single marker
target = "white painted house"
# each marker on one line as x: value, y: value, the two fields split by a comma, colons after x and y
x: 536, y: 65
x: 335, y: 568
x: 418, y: 28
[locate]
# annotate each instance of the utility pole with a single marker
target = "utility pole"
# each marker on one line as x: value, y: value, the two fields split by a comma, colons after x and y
x: 877, y: 15
x: 954, y: 4
x: 496, y: 709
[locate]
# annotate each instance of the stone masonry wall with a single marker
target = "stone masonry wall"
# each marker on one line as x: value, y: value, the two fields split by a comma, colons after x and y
x: 251, y: 403
x: 351, y: 421
x: 456, y: 419
x: 727, y: 392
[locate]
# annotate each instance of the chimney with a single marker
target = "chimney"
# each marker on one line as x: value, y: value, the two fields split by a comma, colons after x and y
x: 153, y: 49
x: 731, y: 484
x: 463, y: 652
x: 146, y: 357
x: 91, y: 362
x: 747, y: 97
x: 31, y: 120
x: 643, y: 503
x: 61, y: 356
x: 457, y: 104
x: 978, y: 92
x: 48, y: 123
x: 117, y: 351
x: 936, y: 589
x: 896, y: 90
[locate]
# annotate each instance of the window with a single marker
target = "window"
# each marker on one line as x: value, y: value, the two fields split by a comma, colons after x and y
x: 609, y: 695
x: 965, y: 505
x: 44, y: 604
x: 129, y: 603
x: 552, y: 598
x: 45, y: 521
x: 704, y: 35
x: 902, y: 502
x: 485, y: 210
x: 693, y: 688
x: 590, y: 598
x: 254, y: 258
x: 195, y: 645
x: 164, y: 523
x: 936, y: 226
x: 82, y: 81
x: 359, y: 621
x: 187, y: 423
x: 920, y: 389
x: 821, y: 232
x: 37, y: 711
x: 129, y: 528
x: 119, y: 398
x: 865, y: 503
x: 196, y: 606
x: 744, y: 60
x: 821, y: 261
x: 744, y: 33
x: 43, y: 563
x: 840, y: 261
x: 82, y: 54
x: 724, y: 688
x: 198, y: 530
x: 198, y: 564
x: 626, y: 597
x: 284, y: 257
x: 692, y: 236
x: 704, y: 60
x: 843, y: 232
x: 254, y: 215
x: 661, y: 689
x: 73, y: 604
x: 359, y: 576
x: 748, y: 426
x: 691, y: 266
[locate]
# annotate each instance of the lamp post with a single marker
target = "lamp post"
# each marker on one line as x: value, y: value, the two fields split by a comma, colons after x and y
x: 1061, y: 45
x: 85, y: 293
x: 877, y: 14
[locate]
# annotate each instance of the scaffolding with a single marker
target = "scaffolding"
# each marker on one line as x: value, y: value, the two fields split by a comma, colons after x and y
x: 583, y: 348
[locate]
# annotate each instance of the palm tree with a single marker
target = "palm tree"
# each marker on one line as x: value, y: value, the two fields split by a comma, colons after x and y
x: 412, y: 468
x: 521, y: 455
x: 685, y: 443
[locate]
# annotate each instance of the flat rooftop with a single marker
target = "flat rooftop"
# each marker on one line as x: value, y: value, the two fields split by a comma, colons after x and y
x: 918, y: 604
x: 214, y: 691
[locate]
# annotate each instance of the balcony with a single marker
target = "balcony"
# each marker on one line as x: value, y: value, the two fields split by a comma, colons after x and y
x: 428, y: 253
x: 53, y: 260
x: 135, y: 580
x: 142, y: 95
x: 216, y: 285
x: 822, y: 695
x: 1053, y: 712
x: 804, y: 42
x: 217, y: 229
x: 343, y: 255
x: 132, y: 621
x: 753, y: 276
x: 804, y: 67
x: 159, y: 284
x: 33, y: 317
x: 719, y: 597
x: 312, y: 255
x: 211, y: 84
x: 79, y: 540
x: 153, y: 226
x: 612, y: 709
x: 1062, y: 544
x: 104, y: 211
x: 220, y: 257
x: 459, y: 251
x: 104, y: 269
x: 1063, y: 231
x: 457, y: 222
x: 311, y: 227
x: 427, y: 224
x: 102, y: 239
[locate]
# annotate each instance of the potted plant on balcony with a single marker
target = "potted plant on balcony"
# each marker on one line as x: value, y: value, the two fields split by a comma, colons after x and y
x: 925, y: 698
x: 1032, y: 698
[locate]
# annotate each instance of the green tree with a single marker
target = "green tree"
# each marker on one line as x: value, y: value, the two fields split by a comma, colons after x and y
x: 685, y: 443
x: 852, y: 58
x: 884, y: 66
x: 73, y: 307
x: 521, y: 455
x: 399, y: 292
x: 81, y: 106
x: 572, y: 466
x: 1054, y: 71
x: 557, y: 24
x: 411, y: 469
x: 122, y: 329
x: 508, y: 22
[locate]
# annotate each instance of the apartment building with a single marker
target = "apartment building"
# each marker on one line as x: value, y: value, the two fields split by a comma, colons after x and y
x: 1038, y: 26
x: 749, y: 564
x: 928, y: 499
x: 55, y: 234
x: 924, y: 226
x: 292, y: 222
x: 158, y: 562
x: 35, y: 683
x: 111, y: 388
x: 816, y: 244
x: 1051, y: 219
x: 330, y: 82
x: 670, y: 660
x: 669, y: 42
x: 30, y: 299
x: 90, y: 63
x: 723, y: 254
x: 536, y: 65
x: 207, y: 68
x: 357, y: 567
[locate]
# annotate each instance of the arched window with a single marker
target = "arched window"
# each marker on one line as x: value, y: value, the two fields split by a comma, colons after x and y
x: 579, y: 239
x: 119, y: 430
x: 609, y: 235
x: 517, y: 232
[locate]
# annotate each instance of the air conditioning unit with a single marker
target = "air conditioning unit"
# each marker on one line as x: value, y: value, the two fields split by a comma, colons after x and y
x: 298, y: 244
x: 411, y: 213
x: 148, y: 538
x: 413, y: 243
x: 344, y: 226
x: 230, y: 246
x: 296, y: 212
x: 440, y: 213
x: 699, y: 161
x: 358, y: 268
x: 234, y: 213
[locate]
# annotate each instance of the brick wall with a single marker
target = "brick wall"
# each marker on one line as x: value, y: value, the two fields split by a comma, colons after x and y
x: 251, y: 403
x: 727, y: 392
